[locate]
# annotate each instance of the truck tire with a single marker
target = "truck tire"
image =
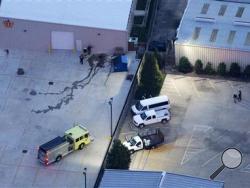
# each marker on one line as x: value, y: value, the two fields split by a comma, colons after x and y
x: 81, y: 146
x: 141, y: 125
x: 164, y: 121
x: 58, y: 158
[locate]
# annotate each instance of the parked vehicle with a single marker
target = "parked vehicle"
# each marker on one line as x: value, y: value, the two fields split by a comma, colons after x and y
x: 150, y: 117
x: 157, y: 45
x: 145, y: 140
x: 154, y: 103
x: 73, y: 139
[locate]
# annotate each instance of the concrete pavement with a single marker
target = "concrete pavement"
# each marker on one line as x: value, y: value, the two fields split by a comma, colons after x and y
x: 34, y: 111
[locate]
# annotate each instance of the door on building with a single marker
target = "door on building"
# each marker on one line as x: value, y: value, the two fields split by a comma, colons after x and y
x: 62, y: 40
x: 79, y: 45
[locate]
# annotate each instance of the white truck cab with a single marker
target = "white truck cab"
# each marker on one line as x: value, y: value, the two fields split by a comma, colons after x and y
x: 150, y: 117
x: 148, y: 139
x: 134, y: 144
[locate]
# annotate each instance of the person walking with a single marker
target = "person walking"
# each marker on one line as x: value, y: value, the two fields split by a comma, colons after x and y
x: 239, y: 96
x: 81, y: 58
x: 7, y: 51
x: 235, y: 98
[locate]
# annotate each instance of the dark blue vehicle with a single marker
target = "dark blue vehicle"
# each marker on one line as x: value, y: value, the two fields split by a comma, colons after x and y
x: 157, y: 45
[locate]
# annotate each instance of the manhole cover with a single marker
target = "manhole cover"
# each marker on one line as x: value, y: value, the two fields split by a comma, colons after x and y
x: 51, y: 83
x: 24, y: 151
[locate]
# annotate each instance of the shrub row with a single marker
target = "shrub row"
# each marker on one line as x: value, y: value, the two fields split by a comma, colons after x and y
x: 185, y: 67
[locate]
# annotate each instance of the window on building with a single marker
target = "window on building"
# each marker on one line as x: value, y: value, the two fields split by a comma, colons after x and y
x: 196, y: 33
x: 214, y: 35
x: 222, y: 10
x: 240, y: 12
x: 247, y: 41
x: 205, y: 8
x: 231, y: 36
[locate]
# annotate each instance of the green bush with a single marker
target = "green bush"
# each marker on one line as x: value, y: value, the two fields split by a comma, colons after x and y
x: 247, y: 72
x: 151, y: 78
x: 198, y: 67
x: 118, y: 157
x: 184, y: 65
x: 235, y: 70
x: 222, y: 69
x: 209, y: 69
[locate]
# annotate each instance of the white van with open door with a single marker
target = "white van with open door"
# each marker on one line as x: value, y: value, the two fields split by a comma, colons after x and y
x: 154, y: 103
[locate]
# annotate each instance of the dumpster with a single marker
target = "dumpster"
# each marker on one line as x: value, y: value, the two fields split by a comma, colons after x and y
x: 120, y: 63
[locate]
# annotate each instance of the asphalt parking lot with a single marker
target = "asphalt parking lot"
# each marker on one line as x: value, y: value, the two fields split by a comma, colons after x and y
x: 205, y: 121
x: 34, y: 112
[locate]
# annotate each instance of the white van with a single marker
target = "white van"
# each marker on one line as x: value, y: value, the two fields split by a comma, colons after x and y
x: 154, y: 103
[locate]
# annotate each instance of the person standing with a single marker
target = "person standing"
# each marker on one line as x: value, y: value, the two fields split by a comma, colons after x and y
x: 235, y: 98
x: 239, y: 95
x: 81, y: 58
x: 7, y: 51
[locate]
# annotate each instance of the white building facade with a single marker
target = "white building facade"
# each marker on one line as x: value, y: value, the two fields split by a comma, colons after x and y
x: 215, y: 32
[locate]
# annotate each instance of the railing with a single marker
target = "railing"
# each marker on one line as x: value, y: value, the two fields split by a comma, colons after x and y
x: 120, y: 121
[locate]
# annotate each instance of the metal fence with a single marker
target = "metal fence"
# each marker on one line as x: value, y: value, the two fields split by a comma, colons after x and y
x: 124, y: 112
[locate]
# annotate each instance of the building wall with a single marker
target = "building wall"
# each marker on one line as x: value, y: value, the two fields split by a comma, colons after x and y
x: 38, y: 36
x: 212, y: 55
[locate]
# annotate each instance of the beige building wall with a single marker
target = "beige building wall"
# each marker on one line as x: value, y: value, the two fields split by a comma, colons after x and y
x: 212, y: 55
x: 33, y: 35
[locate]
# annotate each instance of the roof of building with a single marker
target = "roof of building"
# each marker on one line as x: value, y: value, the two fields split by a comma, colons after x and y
x: 216, y: 24
x: 106, y: 14
x: 128, y: 179
x: 181, y: 181
x: 153, y: 179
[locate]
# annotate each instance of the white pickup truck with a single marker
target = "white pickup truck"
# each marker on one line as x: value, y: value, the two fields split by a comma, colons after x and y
x: 148, y: 139
x: 150, y: 117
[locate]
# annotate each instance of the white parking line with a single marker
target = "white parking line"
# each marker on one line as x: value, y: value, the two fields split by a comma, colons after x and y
x: 204, y: 164
x: 246, y: 169
x: 188, y: 145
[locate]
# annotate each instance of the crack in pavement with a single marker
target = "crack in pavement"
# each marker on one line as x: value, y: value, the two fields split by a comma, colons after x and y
x: 66, y: 99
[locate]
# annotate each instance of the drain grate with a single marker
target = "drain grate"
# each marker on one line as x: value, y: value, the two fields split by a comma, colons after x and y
x: 51, y: 83
x: 25, y: 151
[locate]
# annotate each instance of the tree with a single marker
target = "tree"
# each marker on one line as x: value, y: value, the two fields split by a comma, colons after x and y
x: 184, y: 65
x: 247, y: 72
x: 198, y: 67
x: 160, y: 59
x: 118, y: 157
x: 151, y: 78
x: 235, y: 70
x: 209, y: 69
x: 222, y: 69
